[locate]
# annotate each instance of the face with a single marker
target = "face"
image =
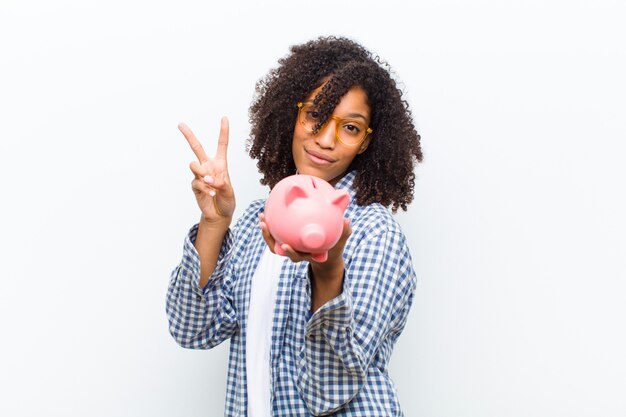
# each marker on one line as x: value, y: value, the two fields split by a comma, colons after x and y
x: 322, y: 154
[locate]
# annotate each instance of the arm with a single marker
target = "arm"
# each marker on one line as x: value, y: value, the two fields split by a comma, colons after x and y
x: 344, y: 334
x: 201, y: 317
x: 199, y: 308
x: 208, y: 243
x: 327, y: 277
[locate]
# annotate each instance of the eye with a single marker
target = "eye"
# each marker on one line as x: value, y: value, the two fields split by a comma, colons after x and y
x: 352, y: 128
x: 312, y: 115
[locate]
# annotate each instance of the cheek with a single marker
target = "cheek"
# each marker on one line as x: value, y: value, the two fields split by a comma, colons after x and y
x: 298, y: 135
x: 296, y: 150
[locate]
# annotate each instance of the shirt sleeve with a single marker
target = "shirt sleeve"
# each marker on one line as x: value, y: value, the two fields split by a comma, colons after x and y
x: 344, y: 334
x: 201, y: 318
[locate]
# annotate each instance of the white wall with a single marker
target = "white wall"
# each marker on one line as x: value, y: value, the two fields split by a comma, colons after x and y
x: 517, y: 230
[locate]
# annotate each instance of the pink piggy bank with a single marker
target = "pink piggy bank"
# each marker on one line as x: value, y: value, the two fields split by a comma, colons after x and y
x: 306, y: 213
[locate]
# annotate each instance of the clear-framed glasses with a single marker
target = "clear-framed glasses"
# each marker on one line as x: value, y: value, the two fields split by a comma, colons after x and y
x: 349, y: 131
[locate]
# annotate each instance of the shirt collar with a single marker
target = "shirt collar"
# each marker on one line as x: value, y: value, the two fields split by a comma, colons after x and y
x: 346, y: 183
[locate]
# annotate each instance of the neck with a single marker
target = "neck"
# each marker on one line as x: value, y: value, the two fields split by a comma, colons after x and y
x: 335, y: 180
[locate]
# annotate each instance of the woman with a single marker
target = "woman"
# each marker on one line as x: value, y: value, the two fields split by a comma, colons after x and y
x: 307, y: 338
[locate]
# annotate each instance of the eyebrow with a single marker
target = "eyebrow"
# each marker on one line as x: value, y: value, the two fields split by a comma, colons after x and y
x: 351, y: 115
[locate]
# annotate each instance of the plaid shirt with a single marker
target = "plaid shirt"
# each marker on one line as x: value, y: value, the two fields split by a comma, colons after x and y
x: 332, y: 361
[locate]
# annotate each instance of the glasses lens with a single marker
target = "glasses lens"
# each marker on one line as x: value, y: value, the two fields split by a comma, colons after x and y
x: 309, y: 117
x: 350, y: 131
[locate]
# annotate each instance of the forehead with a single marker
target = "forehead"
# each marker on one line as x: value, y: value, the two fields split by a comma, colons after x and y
x: 354, y: 101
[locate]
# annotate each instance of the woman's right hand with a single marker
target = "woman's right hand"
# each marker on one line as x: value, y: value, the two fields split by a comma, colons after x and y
x: 211, y: 184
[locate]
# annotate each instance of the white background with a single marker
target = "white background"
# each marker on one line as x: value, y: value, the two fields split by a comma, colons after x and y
x: 517, y: 229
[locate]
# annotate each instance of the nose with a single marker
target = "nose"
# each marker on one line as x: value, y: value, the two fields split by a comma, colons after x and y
x: 325, y: 137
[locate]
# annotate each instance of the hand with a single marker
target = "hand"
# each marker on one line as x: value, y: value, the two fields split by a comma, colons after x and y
x: 211, y: 185
x: 335, y: 254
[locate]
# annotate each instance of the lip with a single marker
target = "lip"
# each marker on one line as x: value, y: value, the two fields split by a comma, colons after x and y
x: 319, y: 158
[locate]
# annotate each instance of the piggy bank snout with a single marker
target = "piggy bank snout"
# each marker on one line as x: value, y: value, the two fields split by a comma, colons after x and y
x: 313, y: 236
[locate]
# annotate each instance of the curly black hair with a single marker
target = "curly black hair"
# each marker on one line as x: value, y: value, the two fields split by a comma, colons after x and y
x: 384, y: 172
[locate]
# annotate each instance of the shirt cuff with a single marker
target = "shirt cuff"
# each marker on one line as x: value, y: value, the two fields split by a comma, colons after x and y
x: 191, y: 262
x: 336, y: 313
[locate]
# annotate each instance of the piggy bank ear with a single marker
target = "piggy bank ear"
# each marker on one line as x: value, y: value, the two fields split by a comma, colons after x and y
x: 293, y: 193
x: 340, y: 199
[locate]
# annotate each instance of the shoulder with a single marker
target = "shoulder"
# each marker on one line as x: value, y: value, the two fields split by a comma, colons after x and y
x: 378, y: 252
x: 376, y: 234
x: 369, y: 220
x: 373, y: 220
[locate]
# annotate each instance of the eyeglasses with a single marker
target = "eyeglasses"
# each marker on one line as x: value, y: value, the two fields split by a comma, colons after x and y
x: 350, y: 132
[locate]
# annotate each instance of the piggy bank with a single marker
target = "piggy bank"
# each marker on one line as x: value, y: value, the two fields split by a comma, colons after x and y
x: 306, y: 213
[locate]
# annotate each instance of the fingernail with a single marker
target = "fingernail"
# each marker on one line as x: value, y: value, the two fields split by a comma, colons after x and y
x: 209, y: 179
x: 212, y: 193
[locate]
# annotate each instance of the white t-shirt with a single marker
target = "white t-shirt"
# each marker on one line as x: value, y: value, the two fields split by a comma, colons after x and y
x: 259, y: 333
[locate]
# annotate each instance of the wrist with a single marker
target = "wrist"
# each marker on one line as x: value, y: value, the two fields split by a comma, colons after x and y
x: 222, y: 223
x: 328, y: 270
x: 326, y: 284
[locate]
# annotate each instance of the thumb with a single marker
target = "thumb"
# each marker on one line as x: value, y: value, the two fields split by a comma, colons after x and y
x: 347, y: 228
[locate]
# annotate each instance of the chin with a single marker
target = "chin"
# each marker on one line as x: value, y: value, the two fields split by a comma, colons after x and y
x: 311, y: 171
x: 314, y: 172
x: 325, y: 175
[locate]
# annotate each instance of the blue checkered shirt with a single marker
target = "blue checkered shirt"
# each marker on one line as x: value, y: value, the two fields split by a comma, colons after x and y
x: 332, y: 361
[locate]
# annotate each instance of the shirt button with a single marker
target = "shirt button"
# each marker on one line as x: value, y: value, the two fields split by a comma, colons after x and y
x: 198, y: 297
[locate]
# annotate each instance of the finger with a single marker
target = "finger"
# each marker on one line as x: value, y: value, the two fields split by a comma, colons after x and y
x: 198, y: 170
x: 201, y: 172
x: 266, y: 233
x: 218, y: 183
x: 345, y: 234
x: 347, y: 230
x: 225, y: 176
x: 222, y: 142
x: 293, y: 254
x: 222, y: 181
x: 265, y: 229
x: 199, y: 186
x: 196, y: 147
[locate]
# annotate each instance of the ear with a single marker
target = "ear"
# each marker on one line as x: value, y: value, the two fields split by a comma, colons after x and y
x: 340, y: 199
x: 294, y: 193
x: 364, y: 145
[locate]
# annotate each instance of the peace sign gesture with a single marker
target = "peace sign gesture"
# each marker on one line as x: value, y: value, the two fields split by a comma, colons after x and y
x: 211, y: 184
